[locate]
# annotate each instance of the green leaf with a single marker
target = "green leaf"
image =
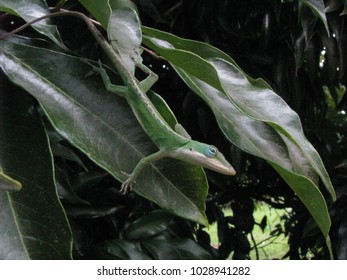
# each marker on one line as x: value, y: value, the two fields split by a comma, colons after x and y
x: 148, y: 226
x: 102, y: 9
x: 103, y: 126
x: 120, y: 4
x: 125, y: 35
x: 64, y: 189
x: 124, y: 250
x: 201, y: 53
x: 90, y: 211
x: 120, y: 19
x: 163, y: 109
x: 30, y: 11
x: 311, y: 197
x: 260, y: 139
x: 175, y: 249
x: 11, y: 246
x: 317, y: 7
x: 254, y: 102
x: 241, y: 106
x: 252, y: 97
x: 65, y: 153
x: 33, y: 223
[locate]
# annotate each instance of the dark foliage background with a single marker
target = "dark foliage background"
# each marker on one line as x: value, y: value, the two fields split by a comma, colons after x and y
x: 279, y: 41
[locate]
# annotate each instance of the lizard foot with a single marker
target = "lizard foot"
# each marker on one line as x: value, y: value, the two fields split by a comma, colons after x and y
x: 96, y: 69
x: 127, y: 184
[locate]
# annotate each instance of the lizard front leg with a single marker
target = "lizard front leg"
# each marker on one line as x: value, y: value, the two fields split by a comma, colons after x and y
x: 131, y: 180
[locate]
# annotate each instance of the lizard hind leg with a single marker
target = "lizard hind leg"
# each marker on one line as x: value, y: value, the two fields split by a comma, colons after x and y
x: 151, y: 78
x: 119, y: 90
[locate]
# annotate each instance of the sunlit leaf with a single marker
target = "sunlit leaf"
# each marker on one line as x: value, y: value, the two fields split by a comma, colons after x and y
x: 102, y: 9
x: 124, y: 33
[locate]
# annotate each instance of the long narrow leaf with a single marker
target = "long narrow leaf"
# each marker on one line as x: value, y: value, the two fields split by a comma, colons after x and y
x: 317, y: 7
x: 30, y: 11
x: 33, y: 223
x: 102, y: 9
x: 254, y: 101
x: 103, y: 126
x: 260, y: 139
x: 251, y: 116
x: 251, y: 97
x: 124, y: 33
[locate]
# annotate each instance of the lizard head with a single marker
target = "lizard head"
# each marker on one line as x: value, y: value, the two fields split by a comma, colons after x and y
x: 204, y: 155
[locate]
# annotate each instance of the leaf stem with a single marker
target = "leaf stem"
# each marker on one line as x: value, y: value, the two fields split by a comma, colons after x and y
x: 54, y: 13
x: 110, y: 52
x: 154, y: 54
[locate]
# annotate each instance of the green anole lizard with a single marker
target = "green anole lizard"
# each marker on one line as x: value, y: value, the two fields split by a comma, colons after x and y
x: 173, y: 143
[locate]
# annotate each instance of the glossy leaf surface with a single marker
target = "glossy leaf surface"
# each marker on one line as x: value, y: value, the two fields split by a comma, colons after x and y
x: 148, y: 226
x: 241, y: 106
x: 317, y: 7
x: 103, y: 126
x: 36, y: 9
x: 102, y: 9
x: 33, y: 222
x: 124, y: 33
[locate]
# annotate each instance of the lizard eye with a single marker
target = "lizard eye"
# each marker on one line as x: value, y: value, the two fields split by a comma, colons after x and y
x: 211, y: 152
